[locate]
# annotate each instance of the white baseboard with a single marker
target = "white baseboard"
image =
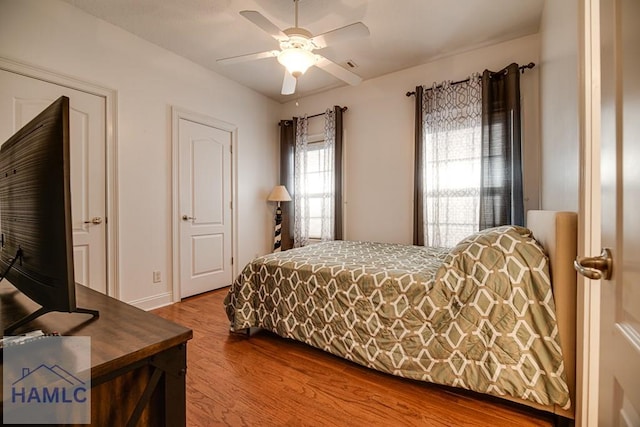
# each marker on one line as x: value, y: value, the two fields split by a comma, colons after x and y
x: 154, y: 301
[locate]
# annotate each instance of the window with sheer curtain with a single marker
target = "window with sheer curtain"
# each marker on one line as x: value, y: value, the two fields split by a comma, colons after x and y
x: 311, y: 169
x: 315, y: 191
x: 314, y: 183
x: 468, y: 157
x: 451, y: 150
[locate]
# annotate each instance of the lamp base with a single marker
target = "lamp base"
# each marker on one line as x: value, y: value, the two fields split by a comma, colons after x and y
x: 277, y: 238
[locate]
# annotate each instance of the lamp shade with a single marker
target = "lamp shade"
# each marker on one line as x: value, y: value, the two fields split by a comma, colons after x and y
x: 279, y: 194
x: 296, y: 60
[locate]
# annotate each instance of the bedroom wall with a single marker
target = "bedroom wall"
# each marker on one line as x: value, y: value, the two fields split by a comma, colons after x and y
x: 379, y: 136
x: 559, y: 105
x: 149, y: 80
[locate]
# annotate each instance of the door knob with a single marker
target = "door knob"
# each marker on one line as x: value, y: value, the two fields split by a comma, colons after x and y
x: 187, y: 217
x: 595, y: 268
x: 95, y: 220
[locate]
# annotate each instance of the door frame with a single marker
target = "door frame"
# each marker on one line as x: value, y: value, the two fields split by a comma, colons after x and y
x: 177, y: 114
x: 110, y: 97
x: 589, y: 214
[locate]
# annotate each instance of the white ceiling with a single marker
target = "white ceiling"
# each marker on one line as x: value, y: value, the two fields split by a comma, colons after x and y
x: 404, y: 33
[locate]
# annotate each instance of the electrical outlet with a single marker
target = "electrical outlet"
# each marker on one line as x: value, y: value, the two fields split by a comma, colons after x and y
x: 157, y: 278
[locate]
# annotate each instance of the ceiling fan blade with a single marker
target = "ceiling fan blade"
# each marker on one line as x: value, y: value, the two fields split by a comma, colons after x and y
x: 339, y: 72
x: 248, y: 57
x: 288, y: 84
x: 339, y: 35
x: 269, y: 27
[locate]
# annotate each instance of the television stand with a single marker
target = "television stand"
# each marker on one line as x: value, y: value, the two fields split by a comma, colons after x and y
x: 138, y: 359
x: 9, y: 330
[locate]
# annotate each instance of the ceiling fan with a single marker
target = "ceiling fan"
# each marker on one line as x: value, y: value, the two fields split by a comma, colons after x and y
x: 297, y: 46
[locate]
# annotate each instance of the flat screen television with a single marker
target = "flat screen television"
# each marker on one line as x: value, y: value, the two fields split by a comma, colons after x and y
x: 36, y: 241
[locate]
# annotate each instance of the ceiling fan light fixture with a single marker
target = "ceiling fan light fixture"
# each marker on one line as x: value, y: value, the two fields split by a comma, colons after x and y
x: 296, y: 60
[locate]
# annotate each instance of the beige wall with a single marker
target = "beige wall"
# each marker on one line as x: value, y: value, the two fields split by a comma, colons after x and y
x: 149, y: 80
x: 379, y: 127
x: 559, y: 105
x: 379, y: 140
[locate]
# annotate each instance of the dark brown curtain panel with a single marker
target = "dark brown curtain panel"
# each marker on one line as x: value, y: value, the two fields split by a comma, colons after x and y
x: 418, y: 182
x: 501, y: 195
x: 287, y: 151
x: 338, y: 174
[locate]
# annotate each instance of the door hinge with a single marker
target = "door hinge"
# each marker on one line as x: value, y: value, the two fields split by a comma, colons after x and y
x: 231, y: 204
x: 231, y: 260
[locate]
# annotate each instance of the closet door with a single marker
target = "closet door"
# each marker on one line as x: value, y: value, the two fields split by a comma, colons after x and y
x: 21, y: 99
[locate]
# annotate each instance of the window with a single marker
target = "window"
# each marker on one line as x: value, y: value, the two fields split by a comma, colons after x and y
x: 451, y: 162
x: 317, y: 174
x: 452, y: 185
x: 315, y: 177
x: 468, y: 164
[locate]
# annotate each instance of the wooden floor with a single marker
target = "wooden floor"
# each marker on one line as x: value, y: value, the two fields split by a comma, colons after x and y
x: 265, y: 380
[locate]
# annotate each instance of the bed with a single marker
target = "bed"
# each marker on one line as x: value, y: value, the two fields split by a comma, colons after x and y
x: 495, y: 314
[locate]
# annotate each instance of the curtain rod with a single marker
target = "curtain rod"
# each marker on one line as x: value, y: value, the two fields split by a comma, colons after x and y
x: 316, y: 115
x: 522, y: 68
x: 322, y: 114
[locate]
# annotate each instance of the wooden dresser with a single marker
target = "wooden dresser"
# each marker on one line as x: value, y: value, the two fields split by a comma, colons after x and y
x: 138, y: 360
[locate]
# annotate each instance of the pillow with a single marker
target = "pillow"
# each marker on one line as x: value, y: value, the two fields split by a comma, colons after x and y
x: 508, y: 252
x: 492, y: 234
x: 493, y: 304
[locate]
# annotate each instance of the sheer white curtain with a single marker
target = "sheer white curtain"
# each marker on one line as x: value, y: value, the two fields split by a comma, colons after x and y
x: 314, y: 181
x: 301, y: 211
x: 452, y: 119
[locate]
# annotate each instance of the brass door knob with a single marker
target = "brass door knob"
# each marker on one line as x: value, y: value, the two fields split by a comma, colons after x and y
x: 595, y: 268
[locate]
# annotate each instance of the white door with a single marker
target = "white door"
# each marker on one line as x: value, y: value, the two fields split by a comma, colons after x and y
x: 21, y: 99
x: 619, y: 378
x: 205, y: 207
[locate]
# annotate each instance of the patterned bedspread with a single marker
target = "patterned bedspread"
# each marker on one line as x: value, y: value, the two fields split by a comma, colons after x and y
x: 480, y: 316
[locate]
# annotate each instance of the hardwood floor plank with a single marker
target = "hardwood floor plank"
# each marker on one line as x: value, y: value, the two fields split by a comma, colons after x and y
x: 266, y: 380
